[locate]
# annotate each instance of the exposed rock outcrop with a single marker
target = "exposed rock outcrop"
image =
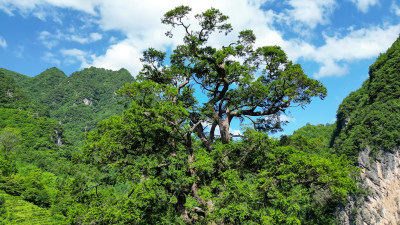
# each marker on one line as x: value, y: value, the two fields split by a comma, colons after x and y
x: 381, y: 178
x: 87, y: 102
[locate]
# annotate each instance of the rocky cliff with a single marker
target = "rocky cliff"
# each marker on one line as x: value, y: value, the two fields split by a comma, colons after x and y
x: 381, y: 179
x: 368, y: 131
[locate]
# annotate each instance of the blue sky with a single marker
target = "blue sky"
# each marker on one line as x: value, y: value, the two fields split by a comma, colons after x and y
x: 335, y: 41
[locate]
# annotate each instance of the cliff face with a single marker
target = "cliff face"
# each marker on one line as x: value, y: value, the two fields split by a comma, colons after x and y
x: 368, y: 131
x: 381, y: 179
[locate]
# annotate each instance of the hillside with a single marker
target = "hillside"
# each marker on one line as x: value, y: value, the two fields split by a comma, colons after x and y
x: 368, y: 117
x: 18, y: 211
x: 11, y: 95
x: 368, y: 132
x: 79, y: 101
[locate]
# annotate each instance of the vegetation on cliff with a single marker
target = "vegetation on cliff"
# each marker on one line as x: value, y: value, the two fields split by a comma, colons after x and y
x: 369, y: 117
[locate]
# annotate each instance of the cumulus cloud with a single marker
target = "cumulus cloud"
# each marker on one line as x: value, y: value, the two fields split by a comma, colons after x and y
x: 95, y: 36
x: 363, y: 5
x: 141, y: 24
x: 50, y: 58
x: 51, y: 40
x: 311, y: 12
x: 395, y: 9
x: 36, y: 7
x: 76, y: 55
x: 3, y: 42
x: 358, y: 44
x: 124, y: 54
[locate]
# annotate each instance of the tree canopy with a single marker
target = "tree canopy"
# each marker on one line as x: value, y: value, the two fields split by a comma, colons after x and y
x: 238, y: 80
x: 166, y: 146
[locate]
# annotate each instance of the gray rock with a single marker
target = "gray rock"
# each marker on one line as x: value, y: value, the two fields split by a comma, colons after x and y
x: 381, y: 177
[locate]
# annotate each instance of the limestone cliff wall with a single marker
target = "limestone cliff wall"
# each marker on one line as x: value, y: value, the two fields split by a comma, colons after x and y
x: 381, y: 178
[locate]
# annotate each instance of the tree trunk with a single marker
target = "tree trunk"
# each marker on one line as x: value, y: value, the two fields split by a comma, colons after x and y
x: 224, y: 130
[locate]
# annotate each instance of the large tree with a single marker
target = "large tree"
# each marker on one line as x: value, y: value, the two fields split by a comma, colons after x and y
x: 239, y: 80
x: 179, y: 170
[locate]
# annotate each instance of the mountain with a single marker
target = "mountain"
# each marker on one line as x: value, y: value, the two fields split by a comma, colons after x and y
x: 42, y: 121
x: 17, y: 76
x: 11, y: 95
x: 367, y: 131
x: 79, y: 101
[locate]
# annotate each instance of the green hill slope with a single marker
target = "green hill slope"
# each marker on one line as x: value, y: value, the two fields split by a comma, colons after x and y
x: 17, y: 76
x: 370, y: 115
x: 19, y: 211
x: 79, y: 101
x: 11, y: 95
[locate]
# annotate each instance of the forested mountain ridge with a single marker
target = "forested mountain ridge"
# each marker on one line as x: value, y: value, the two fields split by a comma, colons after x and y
x: 367, y: 131
x: 35, y: 154
x: 369, y: 116
x: 79, y: 101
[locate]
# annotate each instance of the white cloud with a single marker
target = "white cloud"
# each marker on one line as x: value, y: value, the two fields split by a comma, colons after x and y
x: 50, y: 58
x: 76, y: 55
x: 286, y: 118
x: 395, y: 8
x: 95, y: 37
x: 359, y: 44
x: 3, y: 42
x: 139, y: 24
x: 38, y: 7
x: 124, y: 54
x: 331, y: 68
x: 311, y: 12
x: 363, y: 5
x: 51, y: 40
x: 78, y: 39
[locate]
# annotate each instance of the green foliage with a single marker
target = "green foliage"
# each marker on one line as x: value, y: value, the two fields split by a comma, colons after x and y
x: 34, y: 132
x: 11, y: 96
x: 171, y: 171
x: 260, y: 85
x: 16, y: 76
x: 35, y: 186
x: 311, y: 138
x: 79, y: 101
x: 368, y: 117
x: 273, y: 184
x: 19, y: 211
x: 42, y: 86
x: 10, y: 139
x: 7, y: 167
